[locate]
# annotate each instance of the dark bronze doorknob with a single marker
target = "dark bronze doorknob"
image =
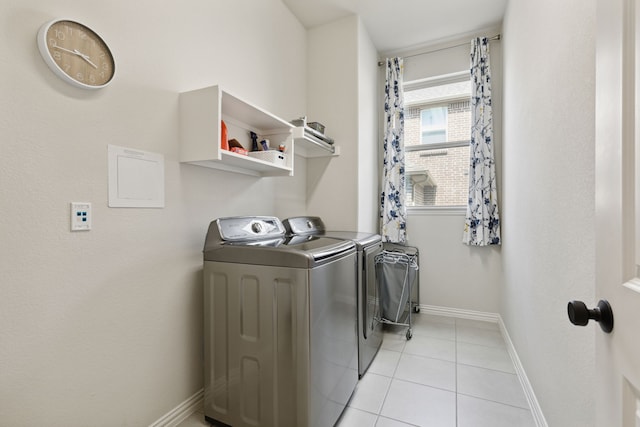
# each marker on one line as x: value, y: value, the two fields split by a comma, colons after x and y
x: 580, y: 315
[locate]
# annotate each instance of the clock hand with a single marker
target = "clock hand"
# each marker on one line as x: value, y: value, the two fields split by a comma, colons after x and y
x: 85, y: 57
x: 61, y: 48
x: 76, y: 52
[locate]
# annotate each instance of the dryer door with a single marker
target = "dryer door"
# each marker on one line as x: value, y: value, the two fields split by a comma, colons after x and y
x: 370, y: 293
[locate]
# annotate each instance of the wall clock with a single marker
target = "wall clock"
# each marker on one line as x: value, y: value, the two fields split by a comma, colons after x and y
x: 76, y: 54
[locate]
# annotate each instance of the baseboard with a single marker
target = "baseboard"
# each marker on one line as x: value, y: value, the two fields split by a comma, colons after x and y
x: 182, y: 411
x: 536, y: 411
x: 459, y: 313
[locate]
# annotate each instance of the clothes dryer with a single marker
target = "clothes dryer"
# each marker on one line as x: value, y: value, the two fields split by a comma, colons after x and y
x: 368, y: 245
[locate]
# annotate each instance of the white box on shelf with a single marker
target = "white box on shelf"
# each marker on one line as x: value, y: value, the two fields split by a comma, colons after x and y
x: 272, y: 156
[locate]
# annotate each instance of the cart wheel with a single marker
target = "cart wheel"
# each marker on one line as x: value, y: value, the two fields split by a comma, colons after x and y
x: 416, y: 309
x: 409, y: 334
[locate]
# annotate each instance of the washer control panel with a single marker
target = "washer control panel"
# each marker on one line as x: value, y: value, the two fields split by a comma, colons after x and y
x: 250, y: 228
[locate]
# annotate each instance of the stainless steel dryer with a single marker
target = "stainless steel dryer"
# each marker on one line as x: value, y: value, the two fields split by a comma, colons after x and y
x: 280, y: 342
x: 368, y: 246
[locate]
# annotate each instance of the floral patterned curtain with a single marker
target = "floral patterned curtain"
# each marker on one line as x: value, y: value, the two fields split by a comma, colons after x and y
x: 482, y: 222
x: 393, y: 212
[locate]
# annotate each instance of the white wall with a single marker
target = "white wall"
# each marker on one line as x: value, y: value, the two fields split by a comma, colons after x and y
x: 452, y: 274
x: 105, y: 327
x: 332, y: 97
x: 368, y: 139
x: 342, y: 92
x: 548, y: 199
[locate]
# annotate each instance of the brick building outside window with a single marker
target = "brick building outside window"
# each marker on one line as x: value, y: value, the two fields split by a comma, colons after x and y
x: 436, y: 136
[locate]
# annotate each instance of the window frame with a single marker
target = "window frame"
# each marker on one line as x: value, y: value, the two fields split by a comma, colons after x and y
x: 458, y: 77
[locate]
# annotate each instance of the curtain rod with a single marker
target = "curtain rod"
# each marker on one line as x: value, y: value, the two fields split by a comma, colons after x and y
x: 496, y: 37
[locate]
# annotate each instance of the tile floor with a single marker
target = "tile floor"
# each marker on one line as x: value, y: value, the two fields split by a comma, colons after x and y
x: 452, y: 373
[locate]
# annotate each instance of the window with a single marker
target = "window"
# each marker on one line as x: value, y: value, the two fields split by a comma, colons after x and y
x: 437, y: 132
x: 433, y: 124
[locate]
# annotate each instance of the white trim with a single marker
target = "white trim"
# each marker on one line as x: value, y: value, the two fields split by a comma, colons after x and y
x: 459, y: 313
x: 181, y: 412
x: 444, y: 100
x: 423, y: 102
x: 534, y: 406
x: 633, y: 284
x: 536, y: 410
x: 436, y: 210
x: 443, y: 79
x: 436, y: 145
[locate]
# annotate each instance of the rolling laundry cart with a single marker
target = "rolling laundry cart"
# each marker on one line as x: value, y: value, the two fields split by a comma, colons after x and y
x: 397, y: 271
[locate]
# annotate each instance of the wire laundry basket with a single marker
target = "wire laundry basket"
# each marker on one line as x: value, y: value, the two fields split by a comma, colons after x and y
x: 396, y: 271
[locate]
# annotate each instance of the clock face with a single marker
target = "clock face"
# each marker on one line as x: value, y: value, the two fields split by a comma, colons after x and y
x: 76, y: 54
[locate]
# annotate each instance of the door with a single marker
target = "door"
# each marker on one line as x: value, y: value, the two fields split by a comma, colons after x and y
x: 618, y: 211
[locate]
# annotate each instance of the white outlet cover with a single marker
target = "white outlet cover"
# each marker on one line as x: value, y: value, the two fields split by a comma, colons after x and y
x: 80, y: 216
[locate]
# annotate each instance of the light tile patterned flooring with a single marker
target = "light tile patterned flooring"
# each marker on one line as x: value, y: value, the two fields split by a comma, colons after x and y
x: 452, y: 373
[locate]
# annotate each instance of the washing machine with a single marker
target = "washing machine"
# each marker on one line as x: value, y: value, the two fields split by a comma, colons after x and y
x: 280, y: 345
x: 368, y: 245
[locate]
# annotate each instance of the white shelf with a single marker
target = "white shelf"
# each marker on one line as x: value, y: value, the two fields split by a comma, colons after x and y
x: 308, y: 146
x: 239, y: 163
x: 202, y: 110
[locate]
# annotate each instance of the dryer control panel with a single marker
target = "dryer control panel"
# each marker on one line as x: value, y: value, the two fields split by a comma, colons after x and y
x: 304, y: 225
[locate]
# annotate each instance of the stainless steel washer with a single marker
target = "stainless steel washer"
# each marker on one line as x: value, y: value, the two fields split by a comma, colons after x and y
x: 280, y: 335
x: 368, y: 245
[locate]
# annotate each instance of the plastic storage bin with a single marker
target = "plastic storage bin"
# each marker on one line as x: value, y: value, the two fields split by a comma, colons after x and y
x: 273, y: 156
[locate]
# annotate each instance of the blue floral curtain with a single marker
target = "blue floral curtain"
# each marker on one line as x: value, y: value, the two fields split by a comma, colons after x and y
x: 393, y: 211
x: 482, y: 222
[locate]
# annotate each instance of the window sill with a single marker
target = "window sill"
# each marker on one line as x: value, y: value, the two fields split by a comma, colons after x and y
x: 433, y: 210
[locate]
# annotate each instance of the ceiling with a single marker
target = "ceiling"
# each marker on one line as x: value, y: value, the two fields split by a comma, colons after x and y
x: 400, y: 24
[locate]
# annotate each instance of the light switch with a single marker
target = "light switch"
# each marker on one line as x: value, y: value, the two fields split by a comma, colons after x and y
x: 80, y: 216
